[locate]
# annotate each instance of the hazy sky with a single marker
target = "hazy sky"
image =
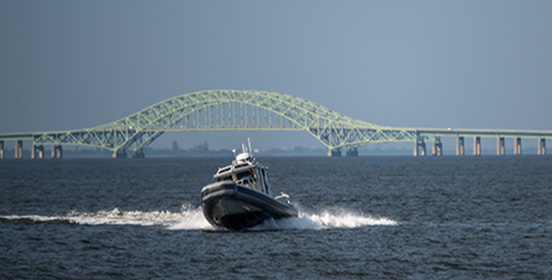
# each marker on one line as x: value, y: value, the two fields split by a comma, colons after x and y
x: 463, y: 64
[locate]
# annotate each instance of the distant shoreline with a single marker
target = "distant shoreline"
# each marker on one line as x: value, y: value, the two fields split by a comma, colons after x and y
x: 86, y: 152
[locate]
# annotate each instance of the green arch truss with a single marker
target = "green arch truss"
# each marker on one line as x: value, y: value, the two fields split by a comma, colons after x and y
x: 219, y: 110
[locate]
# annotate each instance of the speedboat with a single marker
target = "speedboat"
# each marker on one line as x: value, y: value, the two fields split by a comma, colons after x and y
x: 241, y: 197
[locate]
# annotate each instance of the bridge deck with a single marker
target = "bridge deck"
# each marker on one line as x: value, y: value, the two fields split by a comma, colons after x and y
x: 421, y: 131
x: 16, y: 136
x: 484, y: 132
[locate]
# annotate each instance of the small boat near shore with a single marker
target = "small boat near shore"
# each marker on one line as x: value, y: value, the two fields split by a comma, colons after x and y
x: 241, y: 196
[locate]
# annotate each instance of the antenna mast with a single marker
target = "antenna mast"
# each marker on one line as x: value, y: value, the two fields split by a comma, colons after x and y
x: 249, y: 145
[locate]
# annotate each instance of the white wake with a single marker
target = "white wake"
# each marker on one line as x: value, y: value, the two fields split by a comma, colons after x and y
x: 327, y: 219
x: 191, y: 218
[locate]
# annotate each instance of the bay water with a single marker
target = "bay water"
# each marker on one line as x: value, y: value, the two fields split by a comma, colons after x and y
x: 360, y: 218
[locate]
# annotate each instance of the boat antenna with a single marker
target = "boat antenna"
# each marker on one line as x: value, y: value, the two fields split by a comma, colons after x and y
x: 249, y: 144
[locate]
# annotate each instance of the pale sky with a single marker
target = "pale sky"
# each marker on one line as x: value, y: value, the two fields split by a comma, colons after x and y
x: 462, y: 64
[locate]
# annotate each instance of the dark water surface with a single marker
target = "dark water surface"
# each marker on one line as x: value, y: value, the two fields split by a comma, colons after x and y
x: 360, y: 218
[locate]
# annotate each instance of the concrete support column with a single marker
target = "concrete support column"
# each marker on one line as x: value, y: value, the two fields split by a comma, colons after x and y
x: 500, y: 147
x: 517, y: 146
x: 459, y: 145
x: 57, y: 151
x: 18, y: 148
x: 476, y: 146
x: 37, y: 151
x: 542, y: 147
x: 419, y: 147
x: 334, y: 153
x: 119, y: 154
x: 352, y: 152
x: 41, y: 152
x: 1, y: 149
x: 437, y: 147
x: 138, y: 154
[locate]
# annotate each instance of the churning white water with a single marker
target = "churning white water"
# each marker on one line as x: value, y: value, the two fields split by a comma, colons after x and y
x: 191, y: 218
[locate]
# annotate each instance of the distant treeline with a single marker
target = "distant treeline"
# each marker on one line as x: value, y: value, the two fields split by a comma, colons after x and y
x: 198, y: 150
x: 203, y: 150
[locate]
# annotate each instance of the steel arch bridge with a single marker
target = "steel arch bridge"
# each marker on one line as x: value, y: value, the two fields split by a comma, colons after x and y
x: 219, y: 110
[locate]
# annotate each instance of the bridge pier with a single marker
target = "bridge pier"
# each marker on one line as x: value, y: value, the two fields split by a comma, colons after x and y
x: 138, y: 154
x: 459, y: 145
x: 352, y: 152
x: 476, y: 146
x: 334, y: 153
x: 1, y: 149
x: 437, y: 149
x: 419, y: 147
x: 37, y: 149
x: 119, y: 154
x: 517, y: 146
x: 18, y: 149
x: 500, y: 147
x: 542, y: 147
x: 57, y: 151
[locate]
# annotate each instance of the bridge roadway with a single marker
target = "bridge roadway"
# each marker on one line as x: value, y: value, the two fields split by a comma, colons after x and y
x: 477, y: 134
x: 223, y: 110
x: 422, y: 136
x: 485, y: 132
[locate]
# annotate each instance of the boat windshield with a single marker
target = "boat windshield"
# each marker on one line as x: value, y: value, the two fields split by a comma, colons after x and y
x: 246, y: 177
x: 225, y: 178
x: 246, y: 174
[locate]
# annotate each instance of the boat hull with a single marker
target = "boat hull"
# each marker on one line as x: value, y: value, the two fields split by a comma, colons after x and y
x: 232, y: 206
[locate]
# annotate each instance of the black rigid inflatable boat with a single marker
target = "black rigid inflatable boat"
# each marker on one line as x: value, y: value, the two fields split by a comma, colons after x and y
x: 241, y: 197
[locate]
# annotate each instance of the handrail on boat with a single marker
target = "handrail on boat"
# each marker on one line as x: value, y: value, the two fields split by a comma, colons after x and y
x: 283, y: 195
